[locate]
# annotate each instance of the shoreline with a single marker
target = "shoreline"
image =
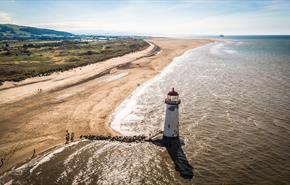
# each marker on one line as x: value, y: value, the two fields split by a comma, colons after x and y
x: 121, y: 111
x: 75, y: 101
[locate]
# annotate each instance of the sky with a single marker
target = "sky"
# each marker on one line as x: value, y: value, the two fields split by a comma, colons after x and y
x: 152, y: 17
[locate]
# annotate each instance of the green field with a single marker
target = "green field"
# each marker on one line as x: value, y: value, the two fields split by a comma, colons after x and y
x: 23, y: 59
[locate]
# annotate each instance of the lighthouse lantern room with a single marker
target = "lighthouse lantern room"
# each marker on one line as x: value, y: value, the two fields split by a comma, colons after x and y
x: 171, y: 124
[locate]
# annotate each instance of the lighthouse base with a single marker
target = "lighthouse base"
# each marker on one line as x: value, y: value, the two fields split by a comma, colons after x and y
x: 167, y: 141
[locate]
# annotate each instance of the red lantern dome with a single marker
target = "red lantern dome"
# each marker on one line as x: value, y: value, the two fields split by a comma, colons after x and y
x: 172, y: 93
x: 172, y: 97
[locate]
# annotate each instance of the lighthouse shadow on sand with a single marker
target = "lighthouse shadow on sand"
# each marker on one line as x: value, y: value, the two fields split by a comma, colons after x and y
x: 171, y: 139
x: 177, y: 155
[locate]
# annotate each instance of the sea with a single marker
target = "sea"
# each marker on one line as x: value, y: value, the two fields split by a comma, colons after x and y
x: 234, y: 123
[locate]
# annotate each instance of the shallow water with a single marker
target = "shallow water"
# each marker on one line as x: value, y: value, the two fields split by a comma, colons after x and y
x: 234, y: 118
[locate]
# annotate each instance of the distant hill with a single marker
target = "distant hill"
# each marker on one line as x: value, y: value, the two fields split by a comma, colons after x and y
x: 10, y: 31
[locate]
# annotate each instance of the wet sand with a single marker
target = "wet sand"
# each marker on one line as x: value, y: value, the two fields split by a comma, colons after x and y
x: 79, y: 100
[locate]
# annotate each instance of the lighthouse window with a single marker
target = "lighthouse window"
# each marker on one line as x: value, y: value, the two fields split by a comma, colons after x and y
x: 174, y: 98
x: 171, y: 108
x: 168, y: 126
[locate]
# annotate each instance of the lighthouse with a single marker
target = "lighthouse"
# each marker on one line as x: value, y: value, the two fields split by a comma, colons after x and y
x: 171, y: 123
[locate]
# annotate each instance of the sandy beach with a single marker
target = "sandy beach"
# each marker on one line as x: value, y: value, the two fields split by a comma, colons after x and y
x: 35, y: 113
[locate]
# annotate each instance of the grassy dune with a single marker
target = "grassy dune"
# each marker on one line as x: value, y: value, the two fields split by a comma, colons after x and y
x: 21, y: 60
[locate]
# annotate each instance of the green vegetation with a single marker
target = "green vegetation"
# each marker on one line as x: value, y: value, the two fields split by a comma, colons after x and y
x: 23, y: 59
x: 10, y: 31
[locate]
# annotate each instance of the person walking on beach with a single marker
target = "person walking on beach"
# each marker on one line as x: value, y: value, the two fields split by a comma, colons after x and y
x: 72, y: 137
x: 1, y: 162
x: 67, y: 137
x: 33, y: 154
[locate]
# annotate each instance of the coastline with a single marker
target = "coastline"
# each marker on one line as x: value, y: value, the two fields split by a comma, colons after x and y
x: 81, y: 100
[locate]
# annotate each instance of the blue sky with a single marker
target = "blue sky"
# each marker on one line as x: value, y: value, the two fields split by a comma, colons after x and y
x: 155, y: 17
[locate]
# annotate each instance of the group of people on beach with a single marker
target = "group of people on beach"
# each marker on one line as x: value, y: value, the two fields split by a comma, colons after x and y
x: 67, y: 138
x: 39, y: 91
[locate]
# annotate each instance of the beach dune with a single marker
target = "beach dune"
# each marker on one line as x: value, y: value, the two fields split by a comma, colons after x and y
x: 35, y: 113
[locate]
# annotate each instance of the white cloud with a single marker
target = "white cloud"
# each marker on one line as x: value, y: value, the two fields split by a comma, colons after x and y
x: 5, y: 17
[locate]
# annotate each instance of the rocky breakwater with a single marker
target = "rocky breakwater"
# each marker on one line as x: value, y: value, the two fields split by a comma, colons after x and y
x: 125, y: 139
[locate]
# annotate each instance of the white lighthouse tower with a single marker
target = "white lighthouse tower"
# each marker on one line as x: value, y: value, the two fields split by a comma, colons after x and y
x: 171, y: 124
